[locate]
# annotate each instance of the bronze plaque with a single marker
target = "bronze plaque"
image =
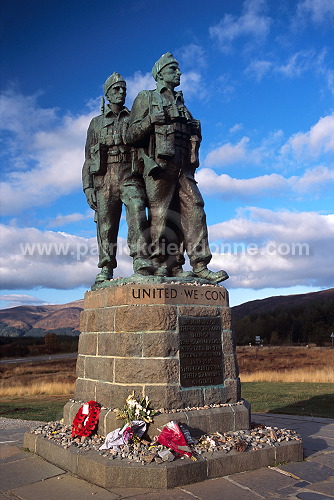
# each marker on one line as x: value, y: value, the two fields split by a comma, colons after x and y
x: 200, y: 351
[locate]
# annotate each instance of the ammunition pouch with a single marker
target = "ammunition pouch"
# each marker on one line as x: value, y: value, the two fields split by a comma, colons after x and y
x: 99, y: 159
x: 164, y: 141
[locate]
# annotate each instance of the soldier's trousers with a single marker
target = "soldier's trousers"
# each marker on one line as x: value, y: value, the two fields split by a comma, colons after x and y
x: 176, y: 216
x: 119, y: 186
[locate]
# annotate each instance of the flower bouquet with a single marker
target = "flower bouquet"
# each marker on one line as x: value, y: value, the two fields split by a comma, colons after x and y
x: 135, y: 410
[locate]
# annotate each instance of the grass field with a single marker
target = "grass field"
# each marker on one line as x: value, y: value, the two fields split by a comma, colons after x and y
x: 291, y: 398
x: 292, y: 380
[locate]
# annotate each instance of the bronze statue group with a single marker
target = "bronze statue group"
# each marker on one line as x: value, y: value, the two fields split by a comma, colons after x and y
x: 146, y: 160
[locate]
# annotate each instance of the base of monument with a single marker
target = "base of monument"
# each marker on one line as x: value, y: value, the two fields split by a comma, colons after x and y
x: 102, y: 471
x: 224, y: 417
x: 151, y: 280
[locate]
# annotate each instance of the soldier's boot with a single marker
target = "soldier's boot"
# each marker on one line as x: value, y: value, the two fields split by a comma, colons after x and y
x: 178, y: 272
x: 143, y: 266
x: 201, y: 271
x: 161, y: 271
x: 105, y: 274
x: 160, y: 268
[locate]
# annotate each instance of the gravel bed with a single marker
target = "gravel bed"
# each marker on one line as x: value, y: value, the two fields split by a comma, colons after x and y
x: 258, y: 437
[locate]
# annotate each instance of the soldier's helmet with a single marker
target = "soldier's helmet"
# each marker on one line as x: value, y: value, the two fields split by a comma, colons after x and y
x: 112, y: 80
x: 165, y: 59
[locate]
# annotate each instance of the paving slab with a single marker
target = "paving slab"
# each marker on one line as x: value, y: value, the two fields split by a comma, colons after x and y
x: 26, y: 471
x: 307, y: 495
x: 12, y: 453
x: 133, y: 492
x: 64, y: 486
x: 325, y: 487
x: 309, y: 471
x: 324, y: 459
x: 221, y: 488
x: 264, y: 480
x: 176, y: 494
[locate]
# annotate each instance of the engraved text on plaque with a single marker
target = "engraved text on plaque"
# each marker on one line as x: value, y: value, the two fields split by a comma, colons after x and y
x: 200, y: 351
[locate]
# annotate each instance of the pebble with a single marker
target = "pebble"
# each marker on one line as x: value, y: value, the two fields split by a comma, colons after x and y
x: 257, y: 438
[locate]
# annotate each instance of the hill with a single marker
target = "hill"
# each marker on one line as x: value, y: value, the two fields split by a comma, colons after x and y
x: 39, y: 320
x: 292, y: 319
x: 272, y: 303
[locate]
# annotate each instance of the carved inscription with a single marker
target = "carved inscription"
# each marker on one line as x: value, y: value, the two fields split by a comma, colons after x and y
x: 200, y: 351
x: 182, y: 294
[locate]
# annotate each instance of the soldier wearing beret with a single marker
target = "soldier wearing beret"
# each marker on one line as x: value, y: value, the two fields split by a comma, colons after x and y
x: 108, y: 181
x: 167, y: 139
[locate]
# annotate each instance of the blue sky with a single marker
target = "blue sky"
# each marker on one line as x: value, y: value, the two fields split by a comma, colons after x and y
x: 259, y: 74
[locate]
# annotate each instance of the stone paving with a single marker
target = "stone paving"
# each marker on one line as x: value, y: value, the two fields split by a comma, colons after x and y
x: 28, y: 477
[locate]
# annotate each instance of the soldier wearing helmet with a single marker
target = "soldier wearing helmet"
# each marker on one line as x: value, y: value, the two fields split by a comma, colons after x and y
x: 108, y: 181
x: 167, y: 139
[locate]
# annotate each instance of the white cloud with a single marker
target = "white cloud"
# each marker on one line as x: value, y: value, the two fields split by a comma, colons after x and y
x: 136, y: 83
x: 22, y: 115
x: 275, y: 249
x: 228, y: 154
x: 191, y: 56
x: 298, y: 63
x: 258, y: 69
x: 313, y: 146
x: 318, y: 140
x: 52, y: 259
x: 252, y: 23
x: 192, y: 85
x: 230, y: 187
x: 236, y: 128
x: 62, y: 220
x: 311, y: 182
x: 19, y: 299
x: 313, y: 179
x: 294, y: 66
x: 319, y: 12
x: 46, y: 153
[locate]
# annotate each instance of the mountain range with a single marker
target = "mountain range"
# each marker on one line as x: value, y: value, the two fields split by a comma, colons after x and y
x: 64, y: 319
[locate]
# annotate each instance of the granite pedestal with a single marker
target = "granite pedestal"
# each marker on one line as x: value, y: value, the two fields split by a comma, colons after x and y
x: 171, y: 342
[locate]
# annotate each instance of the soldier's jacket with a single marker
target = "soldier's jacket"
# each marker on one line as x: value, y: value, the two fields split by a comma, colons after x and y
x: 106, y: 137
x: 160, y: 142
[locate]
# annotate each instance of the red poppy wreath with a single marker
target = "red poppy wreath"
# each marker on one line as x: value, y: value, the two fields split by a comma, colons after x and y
x: 86, y: 420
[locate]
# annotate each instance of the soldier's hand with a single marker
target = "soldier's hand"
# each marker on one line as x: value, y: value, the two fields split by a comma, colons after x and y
x: 91, y: 198
x: 158, y: 118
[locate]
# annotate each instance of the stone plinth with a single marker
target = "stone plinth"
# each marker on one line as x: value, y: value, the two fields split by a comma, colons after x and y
x: 123, y: 474
x: 171, y: 342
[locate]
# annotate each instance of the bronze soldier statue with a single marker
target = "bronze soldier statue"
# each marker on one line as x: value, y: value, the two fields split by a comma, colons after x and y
x: 108, y: 181
x: 167, y: 139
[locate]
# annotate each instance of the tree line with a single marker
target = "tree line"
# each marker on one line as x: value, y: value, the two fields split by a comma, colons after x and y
x: 308, y: 323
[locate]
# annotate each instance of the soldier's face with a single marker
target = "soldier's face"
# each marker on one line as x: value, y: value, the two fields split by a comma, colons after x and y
x: 117, y: 94
x: 170, y: 75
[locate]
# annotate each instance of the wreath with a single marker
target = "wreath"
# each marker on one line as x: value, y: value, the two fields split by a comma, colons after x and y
x: 86, y: 419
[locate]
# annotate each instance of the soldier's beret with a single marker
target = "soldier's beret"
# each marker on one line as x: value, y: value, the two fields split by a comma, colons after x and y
x: 114, y: 78
x: 165, y: 59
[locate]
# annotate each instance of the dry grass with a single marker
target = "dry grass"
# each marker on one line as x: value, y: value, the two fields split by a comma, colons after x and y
x: 286, y: 364
x: 49, y: 388
x: 325, y: 375
x: 31, y: 379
